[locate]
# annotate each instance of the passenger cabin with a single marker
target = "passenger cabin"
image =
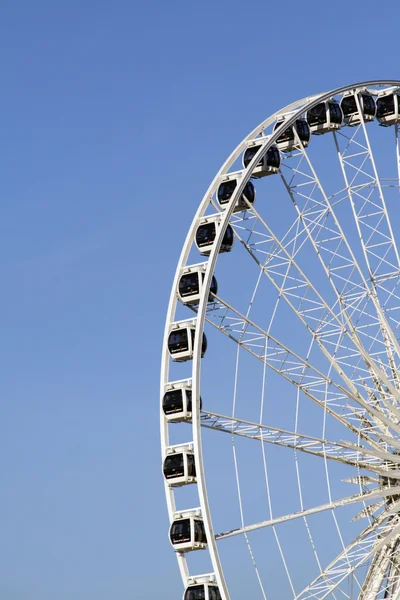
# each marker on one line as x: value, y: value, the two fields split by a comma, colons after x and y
x: 288, y: 141
x: 187, y: 533
x: 202, y: 591
x: 207, y: 232
x: 179, y: 466
x: 268, y: 165
x: 351, y: 114
x: 226, y: 190
x: 181, y: 342
x: 388, y: 108
x: 324, y: 117
x: 177, y: 402
x: 190, y: 285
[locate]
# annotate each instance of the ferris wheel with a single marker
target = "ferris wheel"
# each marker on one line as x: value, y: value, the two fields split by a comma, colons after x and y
x: 283, y: 331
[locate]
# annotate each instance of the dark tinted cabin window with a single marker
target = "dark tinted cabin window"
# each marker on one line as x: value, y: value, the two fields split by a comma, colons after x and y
x: 249, y: 192
x: 227, y: 240
x: 317, y: 115
x: 303, y: 130
x: 191, y: 465
x: 180, y: 531
x: 203, y: 343
x: 189, y: 284
x: 226, y: 190
x: 189, y: 400
x: 199, y: 533
x: 349, y: 106
x: 385, y: 106
x: 335, y: 112
x: 287, y: 135
x: 273, y: 158
x: 196, y: 592
x: 173, y: 466
x: 205, y: 234
x: 250, y: 154
x: 368, y: 105
x: 173, y: 402
x: 178, y: 341
x: 214, y: 285
x: 213, y: 593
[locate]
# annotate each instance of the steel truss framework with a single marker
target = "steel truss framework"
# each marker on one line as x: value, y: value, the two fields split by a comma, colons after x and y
x: 351, y: 368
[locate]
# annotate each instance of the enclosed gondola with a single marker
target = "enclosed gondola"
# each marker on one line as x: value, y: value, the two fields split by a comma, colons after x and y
x: 324, y: 117
x: 202, y: 591
x: 177, y: 401
x: 351, y: 113
x: 187, y: 533
x: 191, y: 284
x: 268, y: 165
x: 179, y: 466
x: 226, y: 190
x: 181, y: 342
x: 206, y: 234
x: 388, y: 108
x: 288, y: 141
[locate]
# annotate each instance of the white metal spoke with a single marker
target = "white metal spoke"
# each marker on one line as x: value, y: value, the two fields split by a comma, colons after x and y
x: 370, y: 542
x: 238, y: 486
x: 326, y: 327
x: 375, y: 232
x: 392, y: 583
x: 383, y: 566
x: 333, y: 249
x: 293, y: 368
x: 367, y: 200
x: 382, y: 492
x: 356, y: 456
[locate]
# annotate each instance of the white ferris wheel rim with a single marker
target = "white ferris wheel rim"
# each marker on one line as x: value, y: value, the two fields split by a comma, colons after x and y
x: 296, y: 110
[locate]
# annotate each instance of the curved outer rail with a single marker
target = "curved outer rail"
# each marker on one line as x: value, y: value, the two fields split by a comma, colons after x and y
x: 298, y: 108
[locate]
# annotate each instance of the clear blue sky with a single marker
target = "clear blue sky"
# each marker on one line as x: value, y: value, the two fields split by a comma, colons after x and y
x: 114, y: 116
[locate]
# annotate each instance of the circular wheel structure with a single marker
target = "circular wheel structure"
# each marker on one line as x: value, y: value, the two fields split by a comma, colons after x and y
x: 291, y: 269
